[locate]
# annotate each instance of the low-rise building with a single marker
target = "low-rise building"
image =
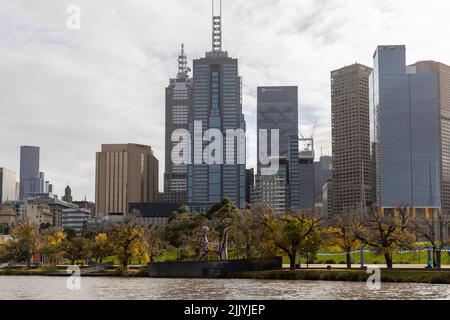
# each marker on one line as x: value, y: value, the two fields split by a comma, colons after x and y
x: 75, y: 219
x: 8, y: 216
x: 56, y: 205
x: 153, y: 213
x: 37, y: 214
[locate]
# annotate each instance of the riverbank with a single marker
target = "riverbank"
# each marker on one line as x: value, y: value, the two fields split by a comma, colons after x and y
x: 343, y: 275
x: 84, y: 273
x: 400, y: 276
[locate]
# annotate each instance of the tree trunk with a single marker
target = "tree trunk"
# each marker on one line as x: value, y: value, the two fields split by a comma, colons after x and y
x: 349, y: 261
x: 388, y: 258
x: 438, y: 260
x: 292, y: 261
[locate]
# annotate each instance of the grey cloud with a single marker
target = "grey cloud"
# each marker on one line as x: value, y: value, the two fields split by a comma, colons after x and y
x: 71, y: 91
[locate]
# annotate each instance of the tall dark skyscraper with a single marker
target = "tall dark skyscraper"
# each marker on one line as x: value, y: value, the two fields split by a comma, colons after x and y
x: 411, y: 109
x: 30, y: 178
x: 277, y: 109
x: 217, y: 103
x: 178, y: 110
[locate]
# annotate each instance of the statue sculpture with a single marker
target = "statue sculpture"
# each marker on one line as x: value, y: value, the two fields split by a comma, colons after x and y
x: 221, y: 248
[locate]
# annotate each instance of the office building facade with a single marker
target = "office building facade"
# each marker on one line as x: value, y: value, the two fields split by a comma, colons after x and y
x: 217, y: 104
x: 75, y: 219
x: 277, y: 109
x: 8, y: 185
x: 350, y: 122
x: 124, y: 173
x: 30, y: 178
x: 178, y: 110
x: 408, y: 131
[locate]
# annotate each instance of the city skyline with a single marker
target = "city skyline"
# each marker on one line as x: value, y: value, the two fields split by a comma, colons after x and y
x: 105, y: 83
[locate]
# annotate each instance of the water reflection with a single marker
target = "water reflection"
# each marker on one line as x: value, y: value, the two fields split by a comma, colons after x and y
x: 50, y: 288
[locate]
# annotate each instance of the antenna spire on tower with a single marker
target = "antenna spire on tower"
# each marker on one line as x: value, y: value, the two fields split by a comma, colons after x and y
x: 182, y: 63
x: 216, y: 27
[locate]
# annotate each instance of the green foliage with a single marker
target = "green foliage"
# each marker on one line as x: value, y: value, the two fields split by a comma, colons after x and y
x: 78, y: 248
x: 293, y: 234
x: 128, y: 242
x: 23, y: 245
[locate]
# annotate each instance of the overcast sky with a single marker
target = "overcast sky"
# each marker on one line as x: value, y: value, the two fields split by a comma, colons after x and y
x: 69, y: 91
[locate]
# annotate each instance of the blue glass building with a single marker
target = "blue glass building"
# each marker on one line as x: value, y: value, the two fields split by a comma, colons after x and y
x: 405, y: 131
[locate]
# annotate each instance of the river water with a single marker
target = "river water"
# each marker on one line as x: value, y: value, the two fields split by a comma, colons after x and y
x: 100, y: 288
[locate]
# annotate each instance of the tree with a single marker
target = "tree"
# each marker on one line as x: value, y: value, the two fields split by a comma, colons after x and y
x: 70, y: 233
x: 433, y: 228
x: 102, y: 247
x: 385, y: 231
x: 341, y: 235
x: 129, y: 242
x: 293, y: 233
x: 78, y: 248
x: 153, y: 237
x: 249, y: 232
x: 24, y: 242
x: 182, y: 229
x: 52, y: 245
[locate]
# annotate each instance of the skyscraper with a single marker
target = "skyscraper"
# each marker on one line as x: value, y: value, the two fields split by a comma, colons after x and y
x: 8, y: 185
x: 217, y: 104
x: 406, y: 131
x: 322, y: 173
x: 301, y: 173
x: 250, y: 184
x: 30, y: 178
x: 442, y: 72
x: 124, y: 173
x: 277, y: 109
x: 178, y: 110
x: 350, y: 138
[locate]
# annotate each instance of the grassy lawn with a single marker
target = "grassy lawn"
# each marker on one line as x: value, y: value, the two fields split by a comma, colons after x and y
x: 369, y: 258
x: 372, y: 258
x: 410, y: 276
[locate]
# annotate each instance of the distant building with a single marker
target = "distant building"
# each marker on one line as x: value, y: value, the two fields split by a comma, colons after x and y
x: 125, y: 173
x: 178, y: 110
x: 277, y: 109
x: 250, y: 184
x: 55, y: 205
x: 67, y: 195
x: 8, y: 185
x: 75, y: 219
x: 350, y: 138
x: 32, y: 180
x: 8, y: 216
x: 274, y: 189
x: 153, y: 213
x: 323, y: 171
x: 36, y: 214
x: 327, y: 199
x: 88, y: 205
x: 301, y: 174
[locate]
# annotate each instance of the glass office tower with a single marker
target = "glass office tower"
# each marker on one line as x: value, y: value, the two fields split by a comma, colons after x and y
x: 405, y: 131
x: 217, y: 104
